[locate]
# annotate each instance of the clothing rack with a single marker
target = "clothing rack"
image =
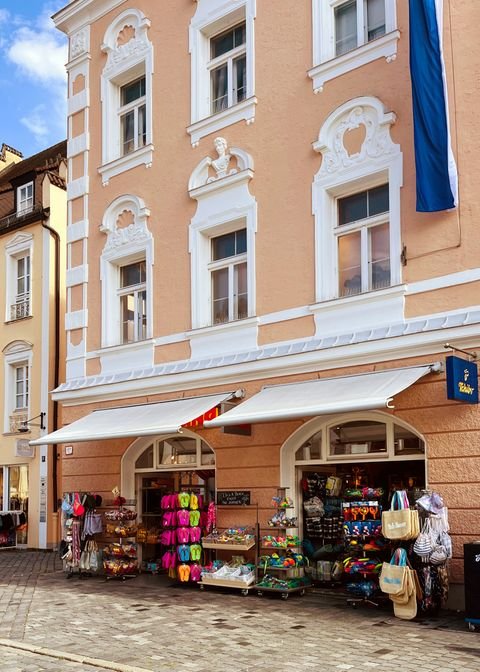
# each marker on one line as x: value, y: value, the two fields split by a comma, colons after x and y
x: 12, y: 532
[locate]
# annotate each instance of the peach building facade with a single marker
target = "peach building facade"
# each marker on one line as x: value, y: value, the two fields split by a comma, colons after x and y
x: 241, y: 214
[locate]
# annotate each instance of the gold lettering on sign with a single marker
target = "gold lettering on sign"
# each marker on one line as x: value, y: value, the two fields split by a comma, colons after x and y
x: 465, y: 388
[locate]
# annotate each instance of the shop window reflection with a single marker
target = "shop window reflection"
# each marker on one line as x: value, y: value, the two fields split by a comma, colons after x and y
x: 407, y: 443
x: 311, y: 449
x: 145, y: 461
x: 18, y: 495
x: 178, y: 451
x: 358, y: 438
x: 208, y: 456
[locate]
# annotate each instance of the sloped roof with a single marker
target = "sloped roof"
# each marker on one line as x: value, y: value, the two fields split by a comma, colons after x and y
x: 56, y: 180
x: 45, y: 160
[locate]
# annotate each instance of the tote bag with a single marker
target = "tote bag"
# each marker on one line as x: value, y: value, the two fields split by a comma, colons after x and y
x: 393, y: 576
x: 400, y: 522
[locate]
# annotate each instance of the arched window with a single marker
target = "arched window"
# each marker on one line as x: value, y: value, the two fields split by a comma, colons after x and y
x: 176, y: 452
x: 361, y: 438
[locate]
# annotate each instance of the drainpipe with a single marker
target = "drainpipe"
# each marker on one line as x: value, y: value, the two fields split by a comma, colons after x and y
x: 56, y: 238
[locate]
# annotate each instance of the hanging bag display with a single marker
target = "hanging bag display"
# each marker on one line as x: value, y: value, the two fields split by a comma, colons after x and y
x: 84, y: 563
x: 393, y: 574
x: 423, y: 546
x: 67, y: 504
x: 78, y: 507
x: 94, y: 559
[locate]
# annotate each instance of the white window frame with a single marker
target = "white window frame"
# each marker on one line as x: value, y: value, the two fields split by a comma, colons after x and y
x: 228, y: 263
x: 16, y: 354
x: 134, y: 106
x: 211, y: 18
x: 363, y: 226
x: 24, y: 379
x: 378, y: 162
x: 124, y: 246
x: 135, y: 290
x: 228, y: 59
x: 326, y: 64
x: 18, y: 247
x: 25, y: 202
x: 200, y: 249
x: 125, y: 63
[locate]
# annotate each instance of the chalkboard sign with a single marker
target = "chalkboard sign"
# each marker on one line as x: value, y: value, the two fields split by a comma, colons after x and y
x: 233, y: 497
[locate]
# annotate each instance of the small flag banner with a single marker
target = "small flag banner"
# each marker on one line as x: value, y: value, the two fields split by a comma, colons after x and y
x: 437, y: 180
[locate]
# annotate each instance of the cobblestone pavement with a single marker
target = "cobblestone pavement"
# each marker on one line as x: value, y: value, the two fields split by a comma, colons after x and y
x: 150, y: 624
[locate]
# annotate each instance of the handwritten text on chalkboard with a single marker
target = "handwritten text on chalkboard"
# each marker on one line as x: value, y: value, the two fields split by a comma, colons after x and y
x: 233, y: 497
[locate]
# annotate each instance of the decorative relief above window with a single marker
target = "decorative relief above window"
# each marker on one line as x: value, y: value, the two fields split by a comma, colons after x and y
x: 126, y: 92
x: 229, y: 162
x: 377, y: 143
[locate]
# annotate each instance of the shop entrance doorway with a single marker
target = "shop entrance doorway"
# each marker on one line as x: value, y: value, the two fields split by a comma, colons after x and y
x: 342, y: 472
x: 154, y: 468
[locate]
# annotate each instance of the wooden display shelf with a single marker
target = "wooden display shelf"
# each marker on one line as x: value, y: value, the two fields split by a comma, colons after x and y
x: 228, y: 547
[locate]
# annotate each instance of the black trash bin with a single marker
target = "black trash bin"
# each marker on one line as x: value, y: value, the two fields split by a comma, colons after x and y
x: 471, y: 565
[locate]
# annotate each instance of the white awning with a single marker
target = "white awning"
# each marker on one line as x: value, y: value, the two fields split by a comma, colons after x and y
x: 166, y: 417
x: 366, y: 391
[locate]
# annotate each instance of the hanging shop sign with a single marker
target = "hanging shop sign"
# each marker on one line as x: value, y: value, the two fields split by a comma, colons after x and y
x: 462, y: 380
x: 208, y: 415
x: 233, y: 497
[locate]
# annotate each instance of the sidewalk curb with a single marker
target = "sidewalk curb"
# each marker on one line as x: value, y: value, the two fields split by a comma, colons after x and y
x: 71, y: 657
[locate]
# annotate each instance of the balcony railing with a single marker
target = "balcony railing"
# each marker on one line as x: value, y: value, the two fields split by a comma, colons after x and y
x: 21, y: 308
x: 10, y: 221
x: 17, y: 420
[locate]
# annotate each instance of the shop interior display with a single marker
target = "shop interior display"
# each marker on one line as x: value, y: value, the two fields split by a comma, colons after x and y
x: 281, y: 565
x: 10, y: 523
x: 81, y: 524
x: 120, y: 559
x: 347, y: 545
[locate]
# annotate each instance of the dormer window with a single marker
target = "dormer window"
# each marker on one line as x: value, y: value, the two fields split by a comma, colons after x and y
x: 25, y: 199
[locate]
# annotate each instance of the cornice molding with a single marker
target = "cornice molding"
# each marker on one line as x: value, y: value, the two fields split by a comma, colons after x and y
x: 82, y: 13
x: 412, y: 339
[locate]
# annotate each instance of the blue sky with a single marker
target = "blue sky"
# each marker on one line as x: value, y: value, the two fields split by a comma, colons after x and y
x: 32, y: 75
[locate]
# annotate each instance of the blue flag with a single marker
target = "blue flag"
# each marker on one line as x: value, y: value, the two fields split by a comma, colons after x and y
x: 435, y: 165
